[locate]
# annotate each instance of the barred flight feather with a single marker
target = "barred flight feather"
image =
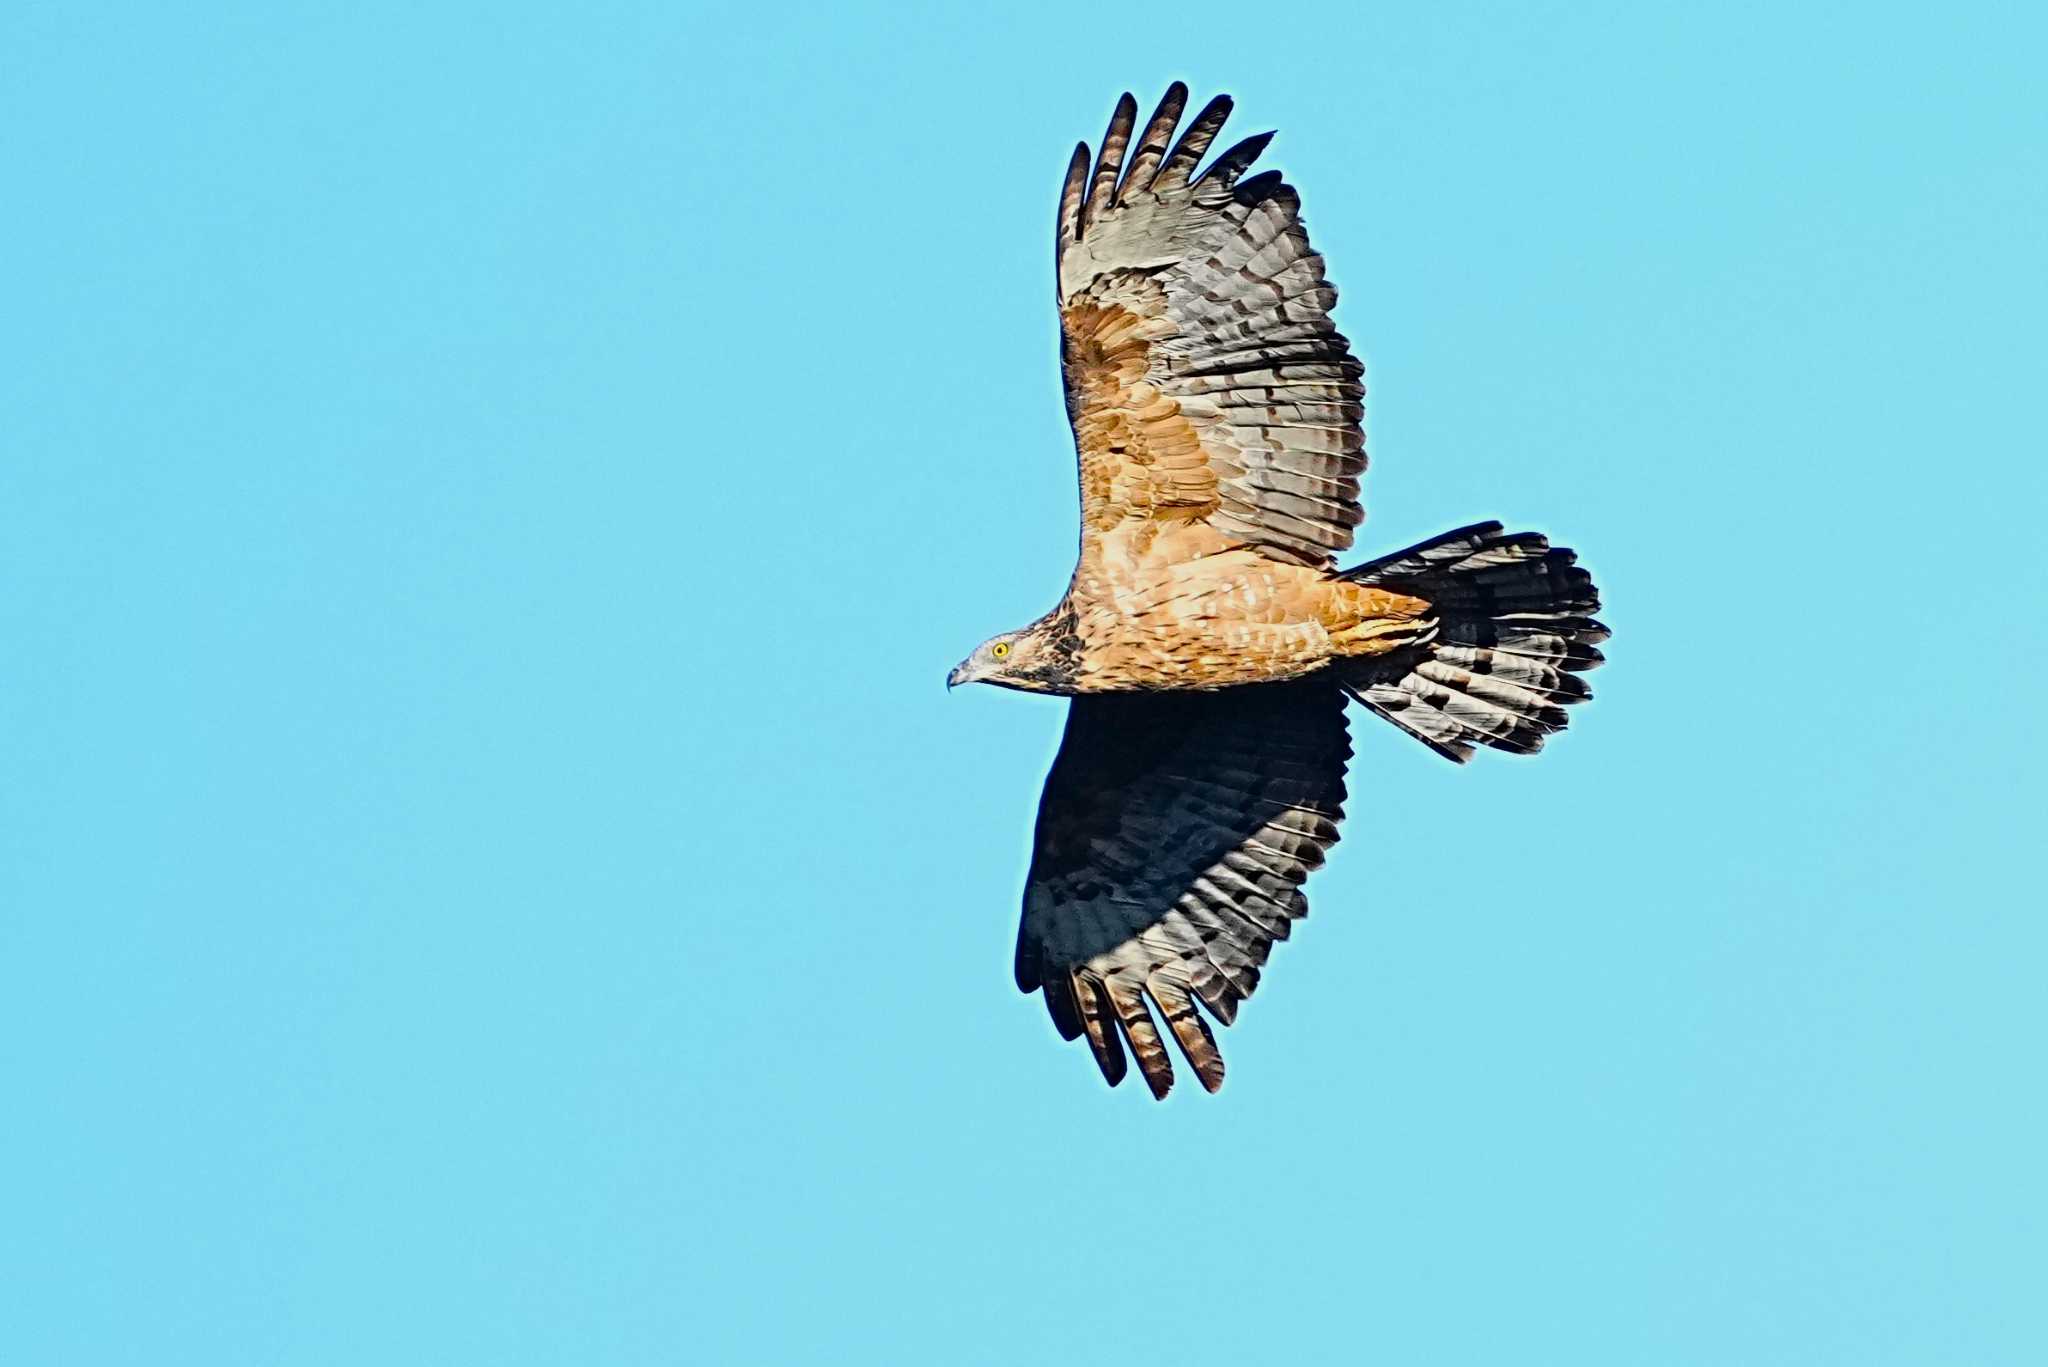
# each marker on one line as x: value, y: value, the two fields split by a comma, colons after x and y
x: 1237, y: 296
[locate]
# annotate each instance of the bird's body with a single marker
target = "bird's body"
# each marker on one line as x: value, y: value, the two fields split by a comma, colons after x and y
x: 1182, y: 606
x: 1208, y: 637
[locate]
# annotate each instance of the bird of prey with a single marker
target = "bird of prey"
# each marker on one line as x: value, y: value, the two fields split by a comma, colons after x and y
x: 1208, y: 639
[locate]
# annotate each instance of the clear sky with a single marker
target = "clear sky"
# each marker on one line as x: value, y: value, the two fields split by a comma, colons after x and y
x: 489, y: 872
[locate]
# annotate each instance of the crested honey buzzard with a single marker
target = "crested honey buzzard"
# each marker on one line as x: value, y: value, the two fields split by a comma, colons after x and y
x: 1208, y: 639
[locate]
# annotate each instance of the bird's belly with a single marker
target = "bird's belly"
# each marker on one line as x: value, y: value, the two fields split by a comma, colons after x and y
x: 1222, y: 660
x: 1225, y: 618
x: 1206, y: 626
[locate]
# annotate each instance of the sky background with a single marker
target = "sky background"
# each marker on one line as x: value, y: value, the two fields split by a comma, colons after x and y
x: 489, y: 872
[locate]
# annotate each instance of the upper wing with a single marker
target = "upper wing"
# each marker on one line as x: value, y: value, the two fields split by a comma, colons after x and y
x: 1204, y: 378
x: 1173, y: 837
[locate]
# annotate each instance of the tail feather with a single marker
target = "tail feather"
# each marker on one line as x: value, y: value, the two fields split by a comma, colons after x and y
x: 1514, y: 630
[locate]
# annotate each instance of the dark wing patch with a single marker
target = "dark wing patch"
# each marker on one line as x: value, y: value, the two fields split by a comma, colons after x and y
x: 1174, y: 835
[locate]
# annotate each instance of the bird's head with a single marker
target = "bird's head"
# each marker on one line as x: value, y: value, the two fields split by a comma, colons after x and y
x: 1033, y: 659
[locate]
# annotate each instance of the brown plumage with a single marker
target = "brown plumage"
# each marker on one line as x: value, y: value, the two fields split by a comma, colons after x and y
x: 1208, y: 638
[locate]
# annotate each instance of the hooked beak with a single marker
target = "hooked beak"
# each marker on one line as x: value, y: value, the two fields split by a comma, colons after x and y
x: 960, y: 675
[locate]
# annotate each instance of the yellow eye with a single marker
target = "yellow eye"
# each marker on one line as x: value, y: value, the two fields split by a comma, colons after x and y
x: 999, y: 649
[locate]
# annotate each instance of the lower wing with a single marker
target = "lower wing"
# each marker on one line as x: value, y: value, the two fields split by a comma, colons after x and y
x: 1173, y: 837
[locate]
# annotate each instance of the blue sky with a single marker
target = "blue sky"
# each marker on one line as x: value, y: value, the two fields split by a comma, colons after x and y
x: 490, y: 870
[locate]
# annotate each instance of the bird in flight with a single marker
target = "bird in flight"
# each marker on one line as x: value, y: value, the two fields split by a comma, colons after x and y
x: 1208, y: 639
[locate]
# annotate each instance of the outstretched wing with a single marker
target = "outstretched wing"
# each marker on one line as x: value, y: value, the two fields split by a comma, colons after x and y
x: 1204, y: 379
x: 1174, y: 835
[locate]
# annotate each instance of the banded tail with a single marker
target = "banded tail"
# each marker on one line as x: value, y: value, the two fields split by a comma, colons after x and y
x: 1514, y: 630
